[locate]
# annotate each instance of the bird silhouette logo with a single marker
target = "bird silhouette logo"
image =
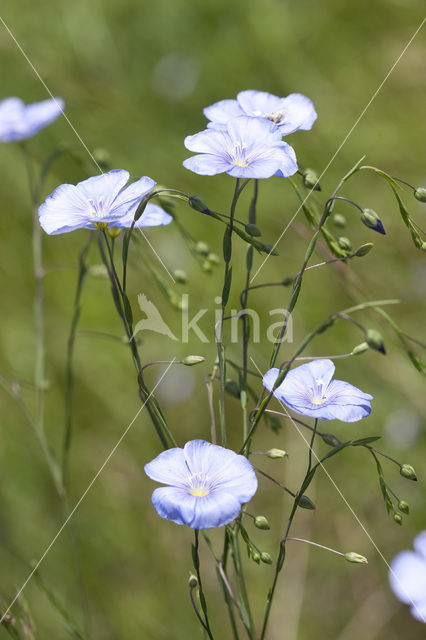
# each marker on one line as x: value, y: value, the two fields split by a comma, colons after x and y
x: 153, y: 320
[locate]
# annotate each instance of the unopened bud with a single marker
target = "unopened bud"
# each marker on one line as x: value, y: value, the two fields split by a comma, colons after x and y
x: 261, y: 523
x: 255, y: 555
x: 306, y: 503
x: 344, y: 243
x: 180, y: 276
x: 310, y: 180
x: 404, y: 507
x: 213, y: 258
x: 364, y: 249
x: 356, y: 558
x: 408, y: 472
x: 286, y: 282
x: 114, y: 232
x: 189, y: 361
x: 374, y: 340
x: 197, y: 203
x: 192, y: 582
x: 372, y: 221
x: 276, y: 453
x: 202, y: 248
x: 420, y: 194
x: 206, y: 266
x: 331, y: 439
x: 265, y: 557
x: 253, y: 230
x: 398, y: 518
x: 360, y: 348
x: 339, y: 220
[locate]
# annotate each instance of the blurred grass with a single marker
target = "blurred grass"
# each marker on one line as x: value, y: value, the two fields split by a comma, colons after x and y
x: 135, y: 77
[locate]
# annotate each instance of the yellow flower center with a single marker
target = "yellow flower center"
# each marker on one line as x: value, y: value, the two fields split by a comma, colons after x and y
x: 199, y: 492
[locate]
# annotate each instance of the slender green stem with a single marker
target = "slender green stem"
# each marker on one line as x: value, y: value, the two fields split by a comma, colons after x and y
x: 196, y: 558
x: 245, y: 605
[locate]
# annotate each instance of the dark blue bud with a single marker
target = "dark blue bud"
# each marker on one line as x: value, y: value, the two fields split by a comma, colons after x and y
x: 372, y: 221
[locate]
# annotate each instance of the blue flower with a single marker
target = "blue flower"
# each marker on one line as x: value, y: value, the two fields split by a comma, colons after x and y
x: 310, y: 391
x: 289, y: 114
x: 407, y: 577
x: 207, y: 484
x: 101, y: 199
x: 19, y: 121
x: 245, y: 148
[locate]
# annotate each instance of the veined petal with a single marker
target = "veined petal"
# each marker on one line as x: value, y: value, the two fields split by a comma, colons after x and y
x: 207, y: 164
x: 407, y: 577
x: 153, y: 216
x: 223, y: 111
x: 104, y: 188
x: 253, y: 131
x: 175, y: 504
x: 169, y: 467
x: 299, y: 113
x: 208, y: 141
x: 258, y: 103
x: 64, y: 210
x: 215, y: 510
x: 288, y: 167
x: 134, y: 192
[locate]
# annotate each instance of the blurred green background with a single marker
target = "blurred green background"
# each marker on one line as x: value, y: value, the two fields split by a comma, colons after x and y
x: 135, y: 77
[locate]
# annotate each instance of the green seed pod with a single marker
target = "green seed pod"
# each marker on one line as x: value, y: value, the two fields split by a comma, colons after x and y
x: 180, y: 276
x: 202, y: 248
x: 310, y: 179
x: 356, y: 558
x: 364, y: 249
x: 306, y: 503
x: 408, y: 472
x: 331, y: 440
x: 276, y: 453
x: 339, y: 220
x: 265, y: 557
x: 398, y: 518
x: 189, y: 361
x: 261, y: 523
x: 286, y: 282
x: 344, y: 243
x: 404, y: 507
x: 374, y: 340
x: 420, y: 194
x: 255, y: 556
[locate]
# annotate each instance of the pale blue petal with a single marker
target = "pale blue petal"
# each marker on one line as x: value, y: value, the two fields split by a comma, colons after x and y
x: 223, y: 111
x: 407, y: 577
x: 153, y: 216
x: 18, y: 121
x: 169, y: 467
x: 254, y: 131
x: 218, y: 126
x: 258, y: 169
x: 215, y: 510
x: 207, y: 164
x: 130, y: 196
x: 348, y: 412
x: 174, y: 504
x: 298, y: 112
x: 203, y: 457
x: 208, y: 141
x: 104, y: 188
x: 64, y: 210
x: 420, y: 544
x: 40, y: 114
x: 288, y: 167
x: 418, y: 610
x: 258, y: 103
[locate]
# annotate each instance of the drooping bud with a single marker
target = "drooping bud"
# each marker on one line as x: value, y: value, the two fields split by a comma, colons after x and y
x: 331, y: 439
x: 404, y: 507
x: 398, y: 518
x: 261, y: 523
x: 306, y: 503
x: 364, y: 249
x: 265, y: 557
x: 276, y: 453
x: 356, y: 558
x: 310, y: 180
x: 255, y: 555
x: 202, y: 248
x: 344, y: 243
x: 196, y: 202
x: 192, y: 582
x: 252, y: 230
x: 374, y: 340
x: 339, y: 220
x: 360, y: 348
x: 408, y: 472
x: 372, y: 221
x: 286, y: 282
x: 189, y: 361
x: 213, y: 258
x: 180, y: 276
x: 420, y: 194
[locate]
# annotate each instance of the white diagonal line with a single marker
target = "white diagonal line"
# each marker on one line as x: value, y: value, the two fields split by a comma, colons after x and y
x: 342, y: 143
x: 49, y: 92
x: 155, y: 252
x: 82, y: 497
x: 344, y: 499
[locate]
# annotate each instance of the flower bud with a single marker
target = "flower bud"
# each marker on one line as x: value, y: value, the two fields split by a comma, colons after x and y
x: 286, y: 282
x: 197, y: 203
x: 206, y: 266
x: 180, y: 276
x: 213, y: 258
x: 339, y: 220
x: 420, y: 194
x: 331, y: 440
x: 252, y: 230
x: 408, y: 472
x: 372, y: 221
x: 114, y: 232
x: 356, y: 558
x: 276, y: 453
x: 261, y: 523
x: 374, y: 340
x: 360, y: 348
x: 404, y: 507
x: 192, y: 582
x: 306, y: 503
x: 310, y: 180
x: 189, y: 361
x: 265, y: 557
x: 364, y: 249
x: 202, y: 248
x: 344, y: 243
x: 398, y: 518
x: 255, y: 555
